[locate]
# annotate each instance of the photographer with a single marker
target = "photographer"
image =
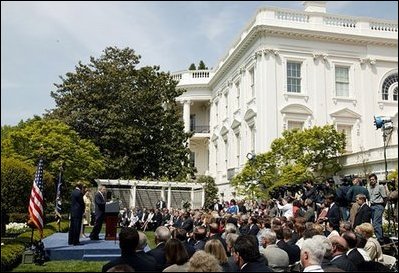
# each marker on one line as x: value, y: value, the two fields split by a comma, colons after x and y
x: 378, y: 198
x: 340, y: 198
x: 286, y: 207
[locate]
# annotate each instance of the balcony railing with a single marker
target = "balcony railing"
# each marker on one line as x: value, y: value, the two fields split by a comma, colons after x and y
x: 200, y: 129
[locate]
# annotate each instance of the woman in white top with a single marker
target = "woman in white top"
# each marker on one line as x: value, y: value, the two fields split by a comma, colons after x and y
x: 286, y: 207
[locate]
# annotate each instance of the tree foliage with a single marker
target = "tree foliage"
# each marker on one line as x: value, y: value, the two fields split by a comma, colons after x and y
x: 16, y: 184
x: 80, y: 158
x: 130, y: 113
x: 192, y: 67
x: 202, y: 66
x: 293, y: 158
x: 211, y: 190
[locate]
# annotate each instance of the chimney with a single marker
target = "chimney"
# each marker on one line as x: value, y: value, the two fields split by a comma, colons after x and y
x: 315, y: 6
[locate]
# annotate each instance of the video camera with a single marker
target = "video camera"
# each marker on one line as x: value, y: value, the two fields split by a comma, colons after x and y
x: 281, y: 191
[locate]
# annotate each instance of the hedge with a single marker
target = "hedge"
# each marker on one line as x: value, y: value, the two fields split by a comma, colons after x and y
x: 11, y: 253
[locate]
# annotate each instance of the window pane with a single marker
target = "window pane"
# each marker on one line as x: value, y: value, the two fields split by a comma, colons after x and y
x: 293, y: 77
x: 347, y: 130
x: 294, y: 124
x: 342, y: 89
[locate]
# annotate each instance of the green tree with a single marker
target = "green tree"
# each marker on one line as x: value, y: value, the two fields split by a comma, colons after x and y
x: 130, y: 113
x: 201, y: 65
x: 192, y: 67
x: 293, y: 158
x: 81, y: 159
x: 211, y: 190
x: 16, y: 184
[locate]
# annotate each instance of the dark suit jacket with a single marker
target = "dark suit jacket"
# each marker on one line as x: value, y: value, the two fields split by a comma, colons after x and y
x: 334, y: 216
x: 99, y: 202
x: 293, y: 251
x: 77, y: 204
x: 343, y: 263
x: 188, y: 224
x: 362, y: 216
x: 159, y: 254
x: 140, y: 261
x: 253, y: 230
x: 160, y: 205
x: 257, y: 266
x: 355, y: 257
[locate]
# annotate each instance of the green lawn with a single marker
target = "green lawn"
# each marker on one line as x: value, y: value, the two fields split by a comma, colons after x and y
x: 73, y: 265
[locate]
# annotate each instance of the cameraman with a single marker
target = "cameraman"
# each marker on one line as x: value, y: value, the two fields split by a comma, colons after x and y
x: 310, y: 191
x: 340, y: 199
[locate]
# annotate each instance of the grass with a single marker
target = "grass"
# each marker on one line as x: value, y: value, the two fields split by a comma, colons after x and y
x: 62, y: 266
x: 74, y: 265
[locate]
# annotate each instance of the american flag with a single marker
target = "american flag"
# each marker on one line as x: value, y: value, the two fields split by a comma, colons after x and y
x: 36, y: 200
x: 58, y: 199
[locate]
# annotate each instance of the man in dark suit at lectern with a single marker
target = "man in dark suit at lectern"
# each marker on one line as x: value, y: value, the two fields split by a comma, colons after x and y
x: 99, y: 202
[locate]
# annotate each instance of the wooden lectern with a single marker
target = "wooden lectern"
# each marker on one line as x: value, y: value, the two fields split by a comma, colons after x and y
x: 111, y: 220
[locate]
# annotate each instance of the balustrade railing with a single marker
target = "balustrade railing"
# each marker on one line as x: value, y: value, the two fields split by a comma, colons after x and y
x: 200, y: 129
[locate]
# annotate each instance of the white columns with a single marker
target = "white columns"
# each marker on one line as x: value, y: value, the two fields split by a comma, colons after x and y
x: 133, y: 196
x: 192, y: 197
x: 186, y: 115
x: 169, y: 196
x: 163, y: 193
x: 203, y: 197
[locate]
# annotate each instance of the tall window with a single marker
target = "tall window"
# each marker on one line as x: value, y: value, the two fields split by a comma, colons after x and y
x: 192, y: 122
x: 238, y: 148
x: 294, y: 125
x: 253, y: 139
x: 342, y: 81
x: 226, y: 104
x: 390, y: 92
x: 294, y: 77
x: 252, y: 81
x: 226, y: 152
x: 238, y: 94
x: 217, y: 112
x: 347, y: 130
x: 192, y: 158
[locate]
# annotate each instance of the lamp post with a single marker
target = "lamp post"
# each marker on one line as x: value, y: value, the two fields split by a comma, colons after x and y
x: 386, y: 126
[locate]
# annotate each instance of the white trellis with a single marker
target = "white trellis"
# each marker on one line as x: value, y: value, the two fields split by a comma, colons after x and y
x: 141, y: 193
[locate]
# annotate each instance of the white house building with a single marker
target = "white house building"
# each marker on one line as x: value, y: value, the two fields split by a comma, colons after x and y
x: 295, y: 69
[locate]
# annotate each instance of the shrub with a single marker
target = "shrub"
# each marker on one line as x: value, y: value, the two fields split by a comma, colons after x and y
x: 16, y: 184
x: 11, y: 253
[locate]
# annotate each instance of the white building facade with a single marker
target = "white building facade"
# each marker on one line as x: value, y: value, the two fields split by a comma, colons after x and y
x: 295, y: 69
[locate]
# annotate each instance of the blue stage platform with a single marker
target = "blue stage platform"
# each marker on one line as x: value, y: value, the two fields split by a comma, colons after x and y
x: 57, y: 248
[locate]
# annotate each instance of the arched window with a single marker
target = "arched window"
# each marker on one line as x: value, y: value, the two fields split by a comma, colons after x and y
x: 390, y: 88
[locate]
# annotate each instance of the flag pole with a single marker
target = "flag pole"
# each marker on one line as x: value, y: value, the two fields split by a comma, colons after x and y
x: 58, y: 198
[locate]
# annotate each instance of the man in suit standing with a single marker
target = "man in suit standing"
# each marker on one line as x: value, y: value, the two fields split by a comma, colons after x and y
x: 77, y: 211
x: 334, y: 214
x: 160, y: 204
x: 99, y: 201
x: 363, y: 214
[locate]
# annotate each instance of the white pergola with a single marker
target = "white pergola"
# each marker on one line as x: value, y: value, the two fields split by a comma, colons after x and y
x: 163, y: 185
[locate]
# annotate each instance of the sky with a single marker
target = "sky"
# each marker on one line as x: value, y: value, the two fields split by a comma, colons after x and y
x: 41, y: 41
